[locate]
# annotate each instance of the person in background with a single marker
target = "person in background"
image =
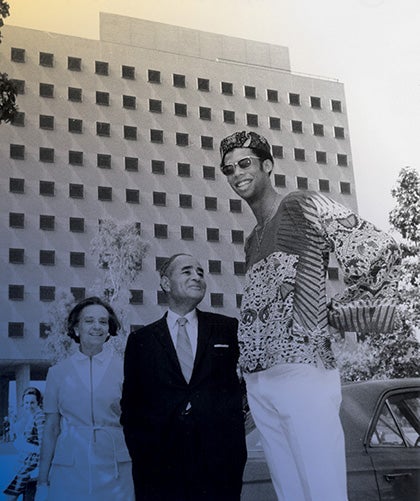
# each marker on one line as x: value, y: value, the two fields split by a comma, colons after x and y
x: 28, y: 429
x: 182, y: 402
x: 83, y: 454
x: 293, y: 385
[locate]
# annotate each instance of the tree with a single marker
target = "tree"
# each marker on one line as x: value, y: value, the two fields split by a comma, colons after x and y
x: 8, y: 90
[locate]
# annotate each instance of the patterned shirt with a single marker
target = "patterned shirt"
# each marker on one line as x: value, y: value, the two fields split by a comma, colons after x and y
x: 285, y: 313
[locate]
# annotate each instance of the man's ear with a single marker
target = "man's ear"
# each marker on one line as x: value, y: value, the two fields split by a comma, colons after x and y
x: 267, y: 166
x: 165, y: 284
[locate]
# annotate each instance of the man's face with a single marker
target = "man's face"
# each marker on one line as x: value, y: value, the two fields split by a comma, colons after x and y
x: 184, y: 282
x: 248, y: 183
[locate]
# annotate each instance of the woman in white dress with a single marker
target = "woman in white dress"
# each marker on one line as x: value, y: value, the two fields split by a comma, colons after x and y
x: 83, y: 454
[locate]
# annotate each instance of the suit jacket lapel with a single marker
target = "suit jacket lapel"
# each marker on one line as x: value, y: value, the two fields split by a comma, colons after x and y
x: 204, y: 335
x: 164, y: 337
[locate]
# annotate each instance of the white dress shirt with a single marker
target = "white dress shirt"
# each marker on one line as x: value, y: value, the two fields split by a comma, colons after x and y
x: 191, y: 326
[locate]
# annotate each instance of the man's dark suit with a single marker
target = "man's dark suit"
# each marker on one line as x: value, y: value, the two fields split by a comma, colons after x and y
x: 181, y: 453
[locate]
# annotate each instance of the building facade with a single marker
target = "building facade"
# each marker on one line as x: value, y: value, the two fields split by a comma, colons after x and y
x: 127, y: 128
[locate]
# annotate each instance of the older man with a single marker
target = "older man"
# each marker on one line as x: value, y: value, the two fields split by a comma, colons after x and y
x: 292, y: 385
x: 181, y: 403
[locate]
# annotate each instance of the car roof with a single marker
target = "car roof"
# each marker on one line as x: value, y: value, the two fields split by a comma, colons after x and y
x: 360, y: 401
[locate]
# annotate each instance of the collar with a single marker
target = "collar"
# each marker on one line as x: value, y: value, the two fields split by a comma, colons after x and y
x: 99, y: 357
x: 172, y: 317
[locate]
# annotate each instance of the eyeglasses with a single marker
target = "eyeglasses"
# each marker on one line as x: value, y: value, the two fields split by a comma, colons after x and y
x: 243, y: 163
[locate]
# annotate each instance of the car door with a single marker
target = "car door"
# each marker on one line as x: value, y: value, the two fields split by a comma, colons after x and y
x: 393, y: 445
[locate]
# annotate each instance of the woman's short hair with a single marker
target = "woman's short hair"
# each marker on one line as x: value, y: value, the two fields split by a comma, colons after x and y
x: 31, y: 390
x: 73, y: 319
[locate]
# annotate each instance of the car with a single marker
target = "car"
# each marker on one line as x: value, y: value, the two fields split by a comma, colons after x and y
x: 381, y: 422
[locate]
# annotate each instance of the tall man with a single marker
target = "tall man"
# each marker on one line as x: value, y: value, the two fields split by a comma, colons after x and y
x: 285, y: 346
x: 181, y: 402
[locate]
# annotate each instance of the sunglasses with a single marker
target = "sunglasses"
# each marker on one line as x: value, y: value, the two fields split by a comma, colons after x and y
x: 243, y: 163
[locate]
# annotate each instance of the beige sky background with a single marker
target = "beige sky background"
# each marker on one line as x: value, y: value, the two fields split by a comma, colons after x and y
x: 372, y: 46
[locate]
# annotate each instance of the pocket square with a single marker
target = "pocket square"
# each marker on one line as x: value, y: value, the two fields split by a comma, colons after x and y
x: 221, y: 346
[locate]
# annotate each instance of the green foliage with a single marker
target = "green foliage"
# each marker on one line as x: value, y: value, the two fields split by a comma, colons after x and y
x: 4, y: 12
x: 8, y: 92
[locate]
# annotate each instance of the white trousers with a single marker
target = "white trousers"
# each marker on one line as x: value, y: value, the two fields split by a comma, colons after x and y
x: 296, y: 410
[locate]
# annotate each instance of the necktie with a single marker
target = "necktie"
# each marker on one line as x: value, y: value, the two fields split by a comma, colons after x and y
x: 184, y: 350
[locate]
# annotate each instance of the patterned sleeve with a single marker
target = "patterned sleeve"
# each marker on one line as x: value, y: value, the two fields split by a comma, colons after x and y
x: 39, y: 420
x: 369, y: 260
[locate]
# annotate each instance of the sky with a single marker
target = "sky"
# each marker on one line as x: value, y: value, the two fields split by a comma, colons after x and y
x: 371, y: 46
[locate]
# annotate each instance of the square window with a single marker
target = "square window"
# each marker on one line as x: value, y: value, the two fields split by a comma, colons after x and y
x: 132, y: 196
x: 159, y: 262
x: 272, y: 95
x: 333, y: 273
x: 79, y: 293
x: 227, y: 88
x: 105, y: 193
x: 74, y: 64
x: 47, y: 257
x: 336, y: 105
x: 75, y: 94
x: 229, y: 116
x: 155, y: 105
x: 131, y: 164
x: 321, y: 157
x: 77, y: 259
x: 185, y: 201
x: 277, y: 151
x: 181, y: 139
x: 46, y: 122
x: 239, y: 267
x: 76, y: 157
x: 18, y: 119
x: 156, y: 136
x: 345, y: 188
x: 46, y: 222
x: 76, y: 190
x: 205, y: 113
x: 209, y: 172
x: 159, y: 198
x: 184, y: 170
x: 130, y: 132
x: 20, y: 85
x: 238, y: 300
x: 17, y: 151
x: 280, y: 180
x: 210, y: 203
x: 216, y: 299
x: 103, y: 129
x: 46, y: 155
x: 16, y: 220
x: 315, y: 102
x: 299, y: 154
x: 318, y: 129
x: 178, y: 80
x: 103, y: 161
x: 158, y: 167
x: 46, y: 293
x: 294, y: 99
x: 237, y: 237
x: 212, y: 234
x: 46, y: 59
x: 46, y: 90
x: 180, y: 109
x: 274, y: 123
x: 342, y: 159
x: 235, y: 205
x: 297, y: 126
x: 44, y: 330
x: 324, y: 185
x: 207, y: 142
x: 46, y: 188
x: 252, y: 120
x: 187, y: 232
x: 102, y: 98
x: 101, y: 68
x: 161, y: 230
x: 16, y: 329
x: 203, y: 84
x: 153, y: 76
x: 17, y: 55
x: 77, y: 224
x: 162, y: 298
x: 128, y: 72
x: 215, y: 266
x: 75, y: 125
x: 250, y: 92
x: 16, y: 292
x: 16, y: 256
x: 129, y: 102
x: 339, y: 132
x: 16, y: 185
x: 136, y: 296
x: 302, y: 183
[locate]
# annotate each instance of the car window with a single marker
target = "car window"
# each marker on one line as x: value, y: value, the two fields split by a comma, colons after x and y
x: 398, y: 424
